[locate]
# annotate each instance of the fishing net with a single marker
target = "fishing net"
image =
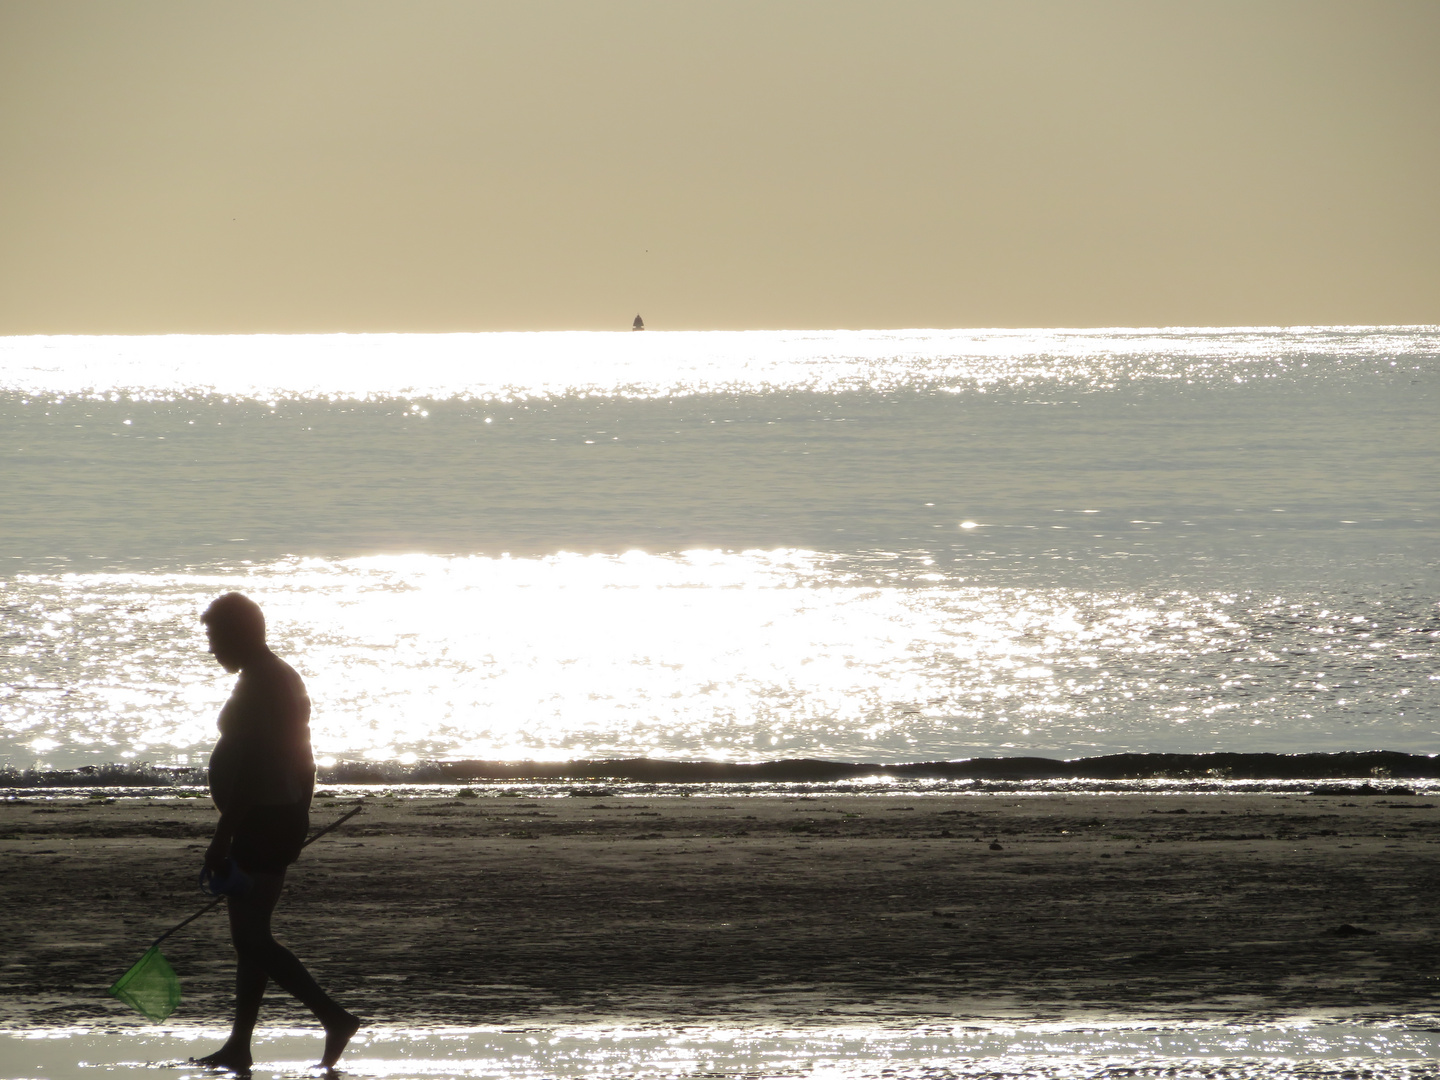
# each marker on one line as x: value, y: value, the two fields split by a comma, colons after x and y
x: 150, y: 987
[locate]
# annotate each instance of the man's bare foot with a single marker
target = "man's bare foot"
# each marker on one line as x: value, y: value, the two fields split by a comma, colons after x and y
x: 337, y: 1036
x: 237, y: 1060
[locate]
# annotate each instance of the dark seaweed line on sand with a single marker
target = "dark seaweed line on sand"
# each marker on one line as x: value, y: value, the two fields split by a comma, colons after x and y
x: 1218, y: 766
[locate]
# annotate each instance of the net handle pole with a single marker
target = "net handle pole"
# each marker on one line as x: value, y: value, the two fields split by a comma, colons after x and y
x: 181, y: 925
x: 336, y: 823
x: 216, y: 902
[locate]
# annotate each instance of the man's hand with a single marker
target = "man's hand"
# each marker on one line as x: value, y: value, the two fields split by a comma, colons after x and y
x: 217, y: 853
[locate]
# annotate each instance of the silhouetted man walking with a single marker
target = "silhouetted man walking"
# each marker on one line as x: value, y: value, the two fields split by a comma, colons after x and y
x: 262, y: 775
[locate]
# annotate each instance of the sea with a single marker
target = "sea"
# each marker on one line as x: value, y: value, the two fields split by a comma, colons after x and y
x: 887, y: 547
x: 516, y: 555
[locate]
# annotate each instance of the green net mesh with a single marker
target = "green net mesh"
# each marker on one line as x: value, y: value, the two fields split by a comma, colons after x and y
x: 150, y: 986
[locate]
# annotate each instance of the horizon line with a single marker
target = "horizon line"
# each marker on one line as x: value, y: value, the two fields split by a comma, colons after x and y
x: 1095, y: 329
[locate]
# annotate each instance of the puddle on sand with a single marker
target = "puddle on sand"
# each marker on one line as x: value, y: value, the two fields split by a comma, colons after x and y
x: 930, y: 1052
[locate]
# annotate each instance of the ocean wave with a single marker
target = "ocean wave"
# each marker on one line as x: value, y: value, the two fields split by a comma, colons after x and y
x: 1370, y: 769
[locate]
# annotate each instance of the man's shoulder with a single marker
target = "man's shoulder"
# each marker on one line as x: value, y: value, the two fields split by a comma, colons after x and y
x: 270, y: 675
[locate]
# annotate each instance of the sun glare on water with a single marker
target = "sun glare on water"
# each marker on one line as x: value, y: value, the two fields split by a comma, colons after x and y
x: 704, y: 654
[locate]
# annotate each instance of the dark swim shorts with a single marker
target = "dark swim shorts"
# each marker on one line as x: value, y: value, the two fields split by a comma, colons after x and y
x: 270, y: 838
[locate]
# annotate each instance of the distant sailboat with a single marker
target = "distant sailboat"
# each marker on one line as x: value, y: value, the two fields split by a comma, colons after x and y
x: 638, y: 324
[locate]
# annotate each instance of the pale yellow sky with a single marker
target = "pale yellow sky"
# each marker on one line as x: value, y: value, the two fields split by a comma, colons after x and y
x: 431, y: 166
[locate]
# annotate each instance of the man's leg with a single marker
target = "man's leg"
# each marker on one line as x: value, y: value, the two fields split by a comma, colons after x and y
x: 246, y: 914
x: 259, y: 956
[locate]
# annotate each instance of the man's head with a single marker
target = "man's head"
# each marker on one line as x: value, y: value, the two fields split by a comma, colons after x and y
x: 235, y: 626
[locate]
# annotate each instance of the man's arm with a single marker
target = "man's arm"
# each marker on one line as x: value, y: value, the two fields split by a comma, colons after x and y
x: 219, y: 849
x: 230, y: 765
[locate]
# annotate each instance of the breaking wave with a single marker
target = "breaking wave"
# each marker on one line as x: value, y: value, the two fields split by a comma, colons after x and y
x: 1372, y: 772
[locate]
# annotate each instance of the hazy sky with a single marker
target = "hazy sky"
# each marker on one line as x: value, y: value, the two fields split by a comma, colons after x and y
x: 235, y: 167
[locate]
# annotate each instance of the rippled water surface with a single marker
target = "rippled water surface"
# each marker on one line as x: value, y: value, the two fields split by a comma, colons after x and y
x: 533, y: 366
x: 883, y: 547
x: 725, y: 656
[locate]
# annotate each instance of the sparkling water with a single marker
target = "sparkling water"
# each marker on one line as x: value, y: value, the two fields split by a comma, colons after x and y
x: 734, y: 546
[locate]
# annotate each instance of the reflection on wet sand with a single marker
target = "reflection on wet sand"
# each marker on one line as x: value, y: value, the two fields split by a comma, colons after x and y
x: 1021, y: 1050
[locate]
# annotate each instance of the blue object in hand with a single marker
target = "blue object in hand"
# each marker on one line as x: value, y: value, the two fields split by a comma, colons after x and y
x: 230, y: 881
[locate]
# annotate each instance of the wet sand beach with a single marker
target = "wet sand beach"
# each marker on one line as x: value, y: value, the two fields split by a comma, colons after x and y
x: 514, y: 909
